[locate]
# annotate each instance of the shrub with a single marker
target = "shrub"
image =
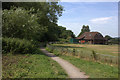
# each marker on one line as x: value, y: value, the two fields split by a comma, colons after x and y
x: 16, y: 45
x: 94, y: 55
x: 20, y: 23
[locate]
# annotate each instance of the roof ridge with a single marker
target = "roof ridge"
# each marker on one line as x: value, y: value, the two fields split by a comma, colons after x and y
x: 88, y: 35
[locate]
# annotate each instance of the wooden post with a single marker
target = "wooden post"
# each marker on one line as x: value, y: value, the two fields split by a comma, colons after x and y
x: 73, y: 52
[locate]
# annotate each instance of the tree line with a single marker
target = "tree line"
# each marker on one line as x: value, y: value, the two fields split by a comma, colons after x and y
x: 36, y: 21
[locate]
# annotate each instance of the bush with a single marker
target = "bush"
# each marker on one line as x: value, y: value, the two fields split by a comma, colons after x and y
x: 16, y: 45
x: 20, y: 23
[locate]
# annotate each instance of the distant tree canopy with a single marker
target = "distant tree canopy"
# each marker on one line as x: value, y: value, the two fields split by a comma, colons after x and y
x: 33, y: 21
x: 84, y: 29
x: 112, y: 40
x: 108, y: 37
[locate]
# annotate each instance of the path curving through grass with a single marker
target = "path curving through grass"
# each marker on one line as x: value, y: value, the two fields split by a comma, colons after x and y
x: 71, y: 70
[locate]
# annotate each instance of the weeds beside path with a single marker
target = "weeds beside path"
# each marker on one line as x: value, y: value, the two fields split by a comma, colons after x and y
x: 30, y: 66
x: 72, y: 71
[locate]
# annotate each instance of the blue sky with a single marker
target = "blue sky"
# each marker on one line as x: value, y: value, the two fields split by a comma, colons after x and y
x: 100, y: 16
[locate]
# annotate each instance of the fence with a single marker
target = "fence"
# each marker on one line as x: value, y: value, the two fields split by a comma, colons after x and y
x: 84, y: 54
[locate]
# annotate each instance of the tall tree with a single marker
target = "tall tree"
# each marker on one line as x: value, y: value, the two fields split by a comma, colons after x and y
x: 46, y: 15
x: 48, y: 11
x: 108, y: 37
x: 18, y: 23
x: 33, y: 20
x: 84, y: 29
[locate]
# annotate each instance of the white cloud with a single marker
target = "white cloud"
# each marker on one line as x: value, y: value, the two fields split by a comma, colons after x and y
x: 101, y: 20
x: 107, y: 27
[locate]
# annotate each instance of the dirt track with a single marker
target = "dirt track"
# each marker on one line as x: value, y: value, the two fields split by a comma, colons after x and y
x: 71, y: 70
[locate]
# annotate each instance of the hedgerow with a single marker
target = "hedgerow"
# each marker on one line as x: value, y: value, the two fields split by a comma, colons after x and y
x: 16, y: 45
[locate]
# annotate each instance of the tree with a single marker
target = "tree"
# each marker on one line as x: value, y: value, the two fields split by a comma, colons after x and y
x: 34, y: 21
x: 84, y: 29
x: 70, y: 34
x: 114, y: 41
x: 108, y: 37
x: 46, y: 16
x: 46, y: 11
x: 18, y: 23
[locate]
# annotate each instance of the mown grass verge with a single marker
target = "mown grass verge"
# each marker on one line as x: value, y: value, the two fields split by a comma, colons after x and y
x: 30, y: 66
x: 93, y: 69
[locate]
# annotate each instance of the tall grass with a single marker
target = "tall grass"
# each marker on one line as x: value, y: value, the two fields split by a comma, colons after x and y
x: 83, y: 54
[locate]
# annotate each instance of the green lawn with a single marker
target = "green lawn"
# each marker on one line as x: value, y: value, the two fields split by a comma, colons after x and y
x: 31, y: 66
x: 93, y: 69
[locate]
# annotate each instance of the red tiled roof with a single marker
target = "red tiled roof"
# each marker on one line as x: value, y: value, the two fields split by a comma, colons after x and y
x: 89, y: 35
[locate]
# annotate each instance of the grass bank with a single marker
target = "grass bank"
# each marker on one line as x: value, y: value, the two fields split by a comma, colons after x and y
x: 93, y: 69
x: 30, y: 66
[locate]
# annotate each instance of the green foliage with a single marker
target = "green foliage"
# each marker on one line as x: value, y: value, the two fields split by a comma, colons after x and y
x: 33, y: 21
x: 30, y: 66
x: 84, y: 29
x: 114, y: 41
x: 46, y: 11
x: 17, y: 46
x: 63, y: 33
x: 94, y: 55
x: 108, y: 37
x: 61, y: 40
x: 50, y: 50
x: 18, y: 23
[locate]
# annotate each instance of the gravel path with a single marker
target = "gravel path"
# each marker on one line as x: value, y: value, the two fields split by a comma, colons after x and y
x: 71, y: 70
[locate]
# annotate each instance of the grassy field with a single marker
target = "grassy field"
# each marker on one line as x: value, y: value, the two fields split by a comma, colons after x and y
x: 102, y: 49
x: 30, y: 66
x: 93, y: 69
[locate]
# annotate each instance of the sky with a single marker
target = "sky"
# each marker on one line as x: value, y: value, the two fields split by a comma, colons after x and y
x: 100, y: 16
